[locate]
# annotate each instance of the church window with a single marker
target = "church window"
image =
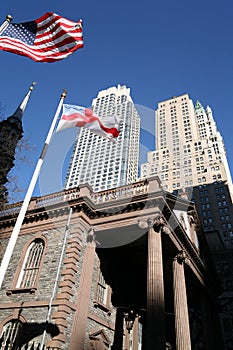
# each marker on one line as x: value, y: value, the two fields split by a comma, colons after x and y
x: 11, y: 334
x: 31, y: 264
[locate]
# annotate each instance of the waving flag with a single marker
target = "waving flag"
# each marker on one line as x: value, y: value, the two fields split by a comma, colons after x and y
x: 47, y: 39
x: 76, y: 116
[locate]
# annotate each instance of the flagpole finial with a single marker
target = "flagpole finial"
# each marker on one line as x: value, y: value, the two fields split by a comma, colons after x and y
x: 9, y: 18
x: 5, y: 24
x: 21, y: 109
x: 32, y: 86
x: 63, y: 95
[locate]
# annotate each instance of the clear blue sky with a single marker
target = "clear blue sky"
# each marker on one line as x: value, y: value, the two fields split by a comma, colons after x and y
x: 159, y: 49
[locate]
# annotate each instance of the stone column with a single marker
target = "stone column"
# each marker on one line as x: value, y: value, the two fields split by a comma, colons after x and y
x: 183, y: 341
x: 119, y: 331
x: 155, y: 321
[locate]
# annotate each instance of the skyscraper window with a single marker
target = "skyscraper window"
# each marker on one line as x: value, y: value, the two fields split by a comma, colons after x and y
x: 99, y: 154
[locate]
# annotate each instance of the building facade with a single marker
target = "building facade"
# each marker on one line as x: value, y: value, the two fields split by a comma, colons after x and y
x: 144, y: 242
x: 100, y: 162
x: 215, y: 211
x: 189, y: 148
x: 54, y: 287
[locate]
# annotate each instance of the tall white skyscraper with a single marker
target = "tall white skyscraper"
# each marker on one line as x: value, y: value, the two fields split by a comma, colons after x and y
x: 99, y: 161
x: 189, y: 149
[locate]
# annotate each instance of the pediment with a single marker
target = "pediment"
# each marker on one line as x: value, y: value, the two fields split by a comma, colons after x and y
x: 100, y: 335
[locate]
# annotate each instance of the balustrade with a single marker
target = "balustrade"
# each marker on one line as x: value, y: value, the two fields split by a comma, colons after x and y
x: 71, y: 194
x: 120, y: 192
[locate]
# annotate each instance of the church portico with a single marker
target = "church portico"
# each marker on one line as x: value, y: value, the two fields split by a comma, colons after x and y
x: 148, y: 275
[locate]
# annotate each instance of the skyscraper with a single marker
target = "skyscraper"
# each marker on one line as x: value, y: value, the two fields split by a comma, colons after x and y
x: 100, y: 162
x: 189, y: 148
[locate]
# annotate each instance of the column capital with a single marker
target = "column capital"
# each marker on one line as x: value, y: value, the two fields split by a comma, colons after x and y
x: 182, y: 257
x: 166, y: 229
x: 156, y: 220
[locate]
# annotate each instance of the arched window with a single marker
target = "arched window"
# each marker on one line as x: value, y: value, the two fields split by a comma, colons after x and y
x: 11, y: 334
x: 31, y: 264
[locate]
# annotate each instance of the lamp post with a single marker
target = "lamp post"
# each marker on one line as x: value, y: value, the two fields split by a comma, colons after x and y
x: 129, y: 319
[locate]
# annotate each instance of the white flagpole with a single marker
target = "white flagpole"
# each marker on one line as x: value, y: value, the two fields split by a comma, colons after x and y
x: 20, y: 218
x: 5, y: 23
x: 67, y: 230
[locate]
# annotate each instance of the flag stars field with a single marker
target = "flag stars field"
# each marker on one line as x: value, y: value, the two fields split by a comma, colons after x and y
x: 25, y: 32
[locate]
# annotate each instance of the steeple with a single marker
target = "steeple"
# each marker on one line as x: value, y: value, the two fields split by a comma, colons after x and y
x: 11, y: 131
x: 18, y: 114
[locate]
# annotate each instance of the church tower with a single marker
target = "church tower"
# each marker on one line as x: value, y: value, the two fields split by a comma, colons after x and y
x: 11, y: 131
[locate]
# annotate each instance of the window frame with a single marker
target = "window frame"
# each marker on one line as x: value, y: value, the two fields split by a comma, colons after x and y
x: 105, y: 306
x: 21, y: 321
x: 28, y: 289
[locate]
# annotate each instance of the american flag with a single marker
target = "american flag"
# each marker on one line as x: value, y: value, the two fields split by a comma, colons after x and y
x: 49, y: 38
